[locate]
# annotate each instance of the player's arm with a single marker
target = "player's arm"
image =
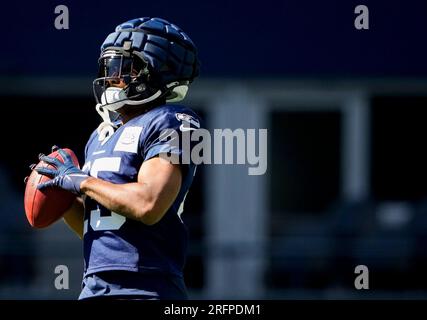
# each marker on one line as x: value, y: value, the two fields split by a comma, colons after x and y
x: 73, y: 217
x: 146, y: 200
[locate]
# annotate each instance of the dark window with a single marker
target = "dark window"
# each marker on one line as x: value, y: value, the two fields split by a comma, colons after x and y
x: 304, y: 155
x: 399, y: 132
x: 304, y: 169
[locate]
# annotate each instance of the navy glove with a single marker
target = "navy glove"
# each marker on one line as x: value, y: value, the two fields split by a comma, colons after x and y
x: 65, y: 175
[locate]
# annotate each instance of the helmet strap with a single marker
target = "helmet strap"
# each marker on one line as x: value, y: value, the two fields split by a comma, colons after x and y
x: 106, y: 127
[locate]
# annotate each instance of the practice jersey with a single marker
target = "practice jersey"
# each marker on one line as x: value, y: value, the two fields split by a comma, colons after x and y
x: 113, y: 242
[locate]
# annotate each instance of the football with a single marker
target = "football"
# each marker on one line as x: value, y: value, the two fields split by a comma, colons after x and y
x: 44, y: 207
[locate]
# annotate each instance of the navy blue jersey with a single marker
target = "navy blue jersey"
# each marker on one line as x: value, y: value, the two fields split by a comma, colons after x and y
x: 113, y: 242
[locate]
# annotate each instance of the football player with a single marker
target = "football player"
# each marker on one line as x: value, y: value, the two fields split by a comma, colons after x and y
x: 130, y: 197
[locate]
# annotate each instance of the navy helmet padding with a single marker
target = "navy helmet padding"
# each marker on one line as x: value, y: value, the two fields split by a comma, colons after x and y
x: 168, y: 50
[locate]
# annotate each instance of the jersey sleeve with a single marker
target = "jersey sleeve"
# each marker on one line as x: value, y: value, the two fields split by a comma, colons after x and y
x: 169, y: 133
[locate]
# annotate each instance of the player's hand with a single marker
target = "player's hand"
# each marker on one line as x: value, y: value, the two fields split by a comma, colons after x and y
x: 33, y: 165
x: 65, y: 175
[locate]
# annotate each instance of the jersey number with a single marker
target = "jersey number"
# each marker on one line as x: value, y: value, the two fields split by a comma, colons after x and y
x: 114, y: 221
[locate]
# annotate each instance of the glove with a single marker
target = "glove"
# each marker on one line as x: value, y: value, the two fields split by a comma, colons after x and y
x: 65, y: 175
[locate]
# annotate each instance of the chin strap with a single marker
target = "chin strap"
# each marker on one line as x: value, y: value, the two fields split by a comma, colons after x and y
x: 106, y: 127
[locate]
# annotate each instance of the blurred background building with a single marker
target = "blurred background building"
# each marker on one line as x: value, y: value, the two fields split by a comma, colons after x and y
x: 345, y: 110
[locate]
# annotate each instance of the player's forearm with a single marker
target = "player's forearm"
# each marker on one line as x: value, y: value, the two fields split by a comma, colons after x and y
x: 132, y: 200
x: 73, y: 217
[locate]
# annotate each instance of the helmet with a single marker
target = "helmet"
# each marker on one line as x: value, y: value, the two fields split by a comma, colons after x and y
x: 152, y: 59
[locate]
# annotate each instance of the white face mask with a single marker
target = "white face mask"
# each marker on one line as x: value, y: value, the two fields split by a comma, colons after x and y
x: 113, y: 98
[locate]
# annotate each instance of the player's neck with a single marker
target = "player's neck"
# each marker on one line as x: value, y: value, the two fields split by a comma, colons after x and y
x: 129, y: 113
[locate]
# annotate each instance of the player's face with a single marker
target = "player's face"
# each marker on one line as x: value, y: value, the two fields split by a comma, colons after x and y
x: 117, y: 83
x: 116, y: 68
